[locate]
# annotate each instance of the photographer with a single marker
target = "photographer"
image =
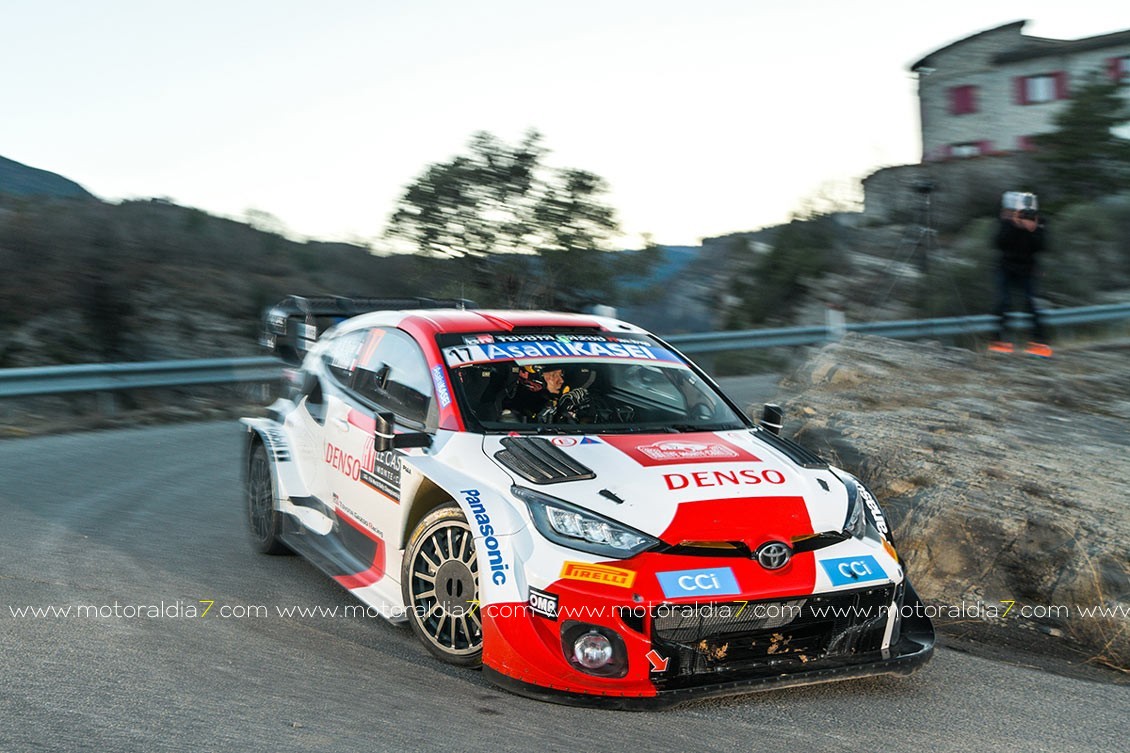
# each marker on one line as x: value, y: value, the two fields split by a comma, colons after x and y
x: 1019, y: 238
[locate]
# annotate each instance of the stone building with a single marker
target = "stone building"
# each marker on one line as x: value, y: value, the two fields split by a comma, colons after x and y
x: 981, y: 99
x: 991, y: 92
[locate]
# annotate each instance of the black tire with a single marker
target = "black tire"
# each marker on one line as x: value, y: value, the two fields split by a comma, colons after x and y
x: 264, y: 521
x: 440, y: 584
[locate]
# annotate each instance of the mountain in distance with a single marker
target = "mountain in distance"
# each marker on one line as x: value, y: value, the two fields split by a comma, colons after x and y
x: 18, y: 179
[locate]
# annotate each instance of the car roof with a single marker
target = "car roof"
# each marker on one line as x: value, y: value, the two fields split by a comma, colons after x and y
x: 431, y: 322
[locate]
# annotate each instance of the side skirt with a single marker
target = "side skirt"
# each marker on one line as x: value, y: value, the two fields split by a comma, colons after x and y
x: 366, y: 579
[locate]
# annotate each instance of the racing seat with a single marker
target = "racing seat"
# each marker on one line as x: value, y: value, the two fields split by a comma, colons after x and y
x: 486, y: 401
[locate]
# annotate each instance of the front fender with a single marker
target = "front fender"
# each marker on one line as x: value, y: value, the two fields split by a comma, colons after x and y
x: 496, y: 524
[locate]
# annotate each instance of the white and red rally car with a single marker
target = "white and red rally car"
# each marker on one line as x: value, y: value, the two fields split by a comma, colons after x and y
x: 569, y: 502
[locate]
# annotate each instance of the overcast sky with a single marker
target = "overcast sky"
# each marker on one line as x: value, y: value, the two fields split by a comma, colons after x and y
x: 705, y: 118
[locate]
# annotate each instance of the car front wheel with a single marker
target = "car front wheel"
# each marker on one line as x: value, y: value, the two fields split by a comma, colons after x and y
x: 440, y: 582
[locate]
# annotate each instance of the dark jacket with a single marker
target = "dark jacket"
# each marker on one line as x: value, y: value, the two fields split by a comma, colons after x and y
x: 1019, y: 247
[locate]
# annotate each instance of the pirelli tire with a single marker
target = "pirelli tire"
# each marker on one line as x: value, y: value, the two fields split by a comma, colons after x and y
x: 440, y: 585
x: 264, y: 521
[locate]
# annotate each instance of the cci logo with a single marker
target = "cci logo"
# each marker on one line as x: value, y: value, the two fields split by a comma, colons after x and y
x: 717, y: 581
x: 848, y: 570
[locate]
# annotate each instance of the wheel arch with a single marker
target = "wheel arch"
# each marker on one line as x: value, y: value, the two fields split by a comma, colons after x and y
x: 254, y: 439
x: 272, y: 437
x: 429, y: 495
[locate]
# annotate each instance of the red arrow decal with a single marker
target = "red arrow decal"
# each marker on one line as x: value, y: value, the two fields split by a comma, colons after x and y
x: 658, y: 663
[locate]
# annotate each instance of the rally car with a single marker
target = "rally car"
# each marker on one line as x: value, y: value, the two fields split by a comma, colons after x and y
x: 569, y: 503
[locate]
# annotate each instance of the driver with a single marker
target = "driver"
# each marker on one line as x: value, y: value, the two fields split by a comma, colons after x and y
x: 540, y: 394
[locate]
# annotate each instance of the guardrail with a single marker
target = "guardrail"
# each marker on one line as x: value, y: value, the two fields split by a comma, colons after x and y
x: 911, y: 329
x: 108, y: 377
x: 104, y: 377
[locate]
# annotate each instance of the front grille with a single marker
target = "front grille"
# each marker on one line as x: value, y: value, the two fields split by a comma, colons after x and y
x: 709, y: 643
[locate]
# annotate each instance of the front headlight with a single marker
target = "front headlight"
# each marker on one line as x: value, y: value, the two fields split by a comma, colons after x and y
x: 863, y: 512
x: 577, y: 528
x: 856, y: 521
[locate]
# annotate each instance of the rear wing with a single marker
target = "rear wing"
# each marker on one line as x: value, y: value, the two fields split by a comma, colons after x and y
x: 292, y: 325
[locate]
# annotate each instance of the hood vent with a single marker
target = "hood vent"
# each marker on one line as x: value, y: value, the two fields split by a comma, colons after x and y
x: 537, y: 460
x: 800, y: 455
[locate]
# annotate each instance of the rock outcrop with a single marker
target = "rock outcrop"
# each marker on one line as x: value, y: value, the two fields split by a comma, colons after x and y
x: 1008, y: 478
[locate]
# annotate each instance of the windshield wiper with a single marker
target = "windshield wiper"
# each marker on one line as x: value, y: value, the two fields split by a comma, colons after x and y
x: 551, y: 429
x: 687, y: 428
x: 623, y: 429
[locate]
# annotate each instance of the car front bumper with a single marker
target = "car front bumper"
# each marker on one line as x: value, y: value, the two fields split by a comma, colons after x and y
x: 672, y: 662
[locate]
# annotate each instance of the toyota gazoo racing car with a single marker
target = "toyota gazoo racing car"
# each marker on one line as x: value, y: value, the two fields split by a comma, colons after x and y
x: 568, y: 502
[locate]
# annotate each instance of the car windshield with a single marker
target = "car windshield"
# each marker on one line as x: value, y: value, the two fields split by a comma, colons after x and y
x: 558, y: 383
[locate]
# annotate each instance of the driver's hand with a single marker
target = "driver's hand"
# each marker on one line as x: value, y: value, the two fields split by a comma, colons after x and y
x: 574, y: 400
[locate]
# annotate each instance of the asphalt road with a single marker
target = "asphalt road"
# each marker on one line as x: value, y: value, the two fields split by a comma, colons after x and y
x: 144, y: 516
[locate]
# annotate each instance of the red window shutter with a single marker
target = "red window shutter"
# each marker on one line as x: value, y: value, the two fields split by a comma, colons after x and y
x: 1061, y: 85
x: 1024, y: 143
x: 1020, y: 90
x: 961, y: 100
x: 986, y: 147
x: 947, y: 152
x: 968, y: 99
x: 1114, y: 68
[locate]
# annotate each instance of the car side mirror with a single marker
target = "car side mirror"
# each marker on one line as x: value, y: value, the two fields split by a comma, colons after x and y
x: 385, y: 437
x: 307, y: 381
x: 300, y: 384
x: 772, y: 418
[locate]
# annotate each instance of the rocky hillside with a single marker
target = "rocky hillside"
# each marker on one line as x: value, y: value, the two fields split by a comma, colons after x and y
x: 88, y: 281
x: 1006, y: 477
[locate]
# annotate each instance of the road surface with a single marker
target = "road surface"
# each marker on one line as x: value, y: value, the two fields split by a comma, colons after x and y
x: 128, y: 521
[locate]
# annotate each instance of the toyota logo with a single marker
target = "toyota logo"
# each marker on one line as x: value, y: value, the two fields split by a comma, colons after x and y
x: 774, y: 555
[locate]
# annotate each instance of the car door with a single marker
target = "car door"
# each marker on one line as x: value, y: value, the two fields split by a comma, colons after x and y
x: 309, y: 423
x: 343, y: 430
x: 390, y: 375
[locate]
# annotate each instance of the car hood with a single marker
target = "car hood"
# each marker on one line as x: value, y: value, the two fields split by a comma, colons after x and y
x: 690, y: 489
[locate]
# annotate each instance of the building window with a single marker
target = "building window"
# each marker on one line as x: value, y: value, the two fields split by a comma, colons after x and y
x: 971, y: 149
x: 1039, y: 89
x: 1045, y: 87
x: 963, y: 100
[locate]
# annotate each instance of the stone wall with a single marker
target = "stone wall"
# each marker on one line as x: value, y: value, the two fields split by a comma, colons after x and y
x: 962, y: 188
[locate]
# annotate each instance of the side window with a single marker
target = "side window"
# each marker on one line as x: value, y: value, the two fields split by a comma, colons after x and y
x: 341, y: 356
x: 392, y: 373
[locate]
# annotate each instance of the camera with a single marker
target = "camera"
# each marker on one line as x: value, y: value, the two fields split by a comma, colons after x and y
x: 1025, y: 203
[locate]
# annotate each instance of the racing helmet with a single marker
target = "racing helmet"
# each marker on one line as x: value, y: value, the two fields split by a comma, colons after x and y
x: 532, y: 377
